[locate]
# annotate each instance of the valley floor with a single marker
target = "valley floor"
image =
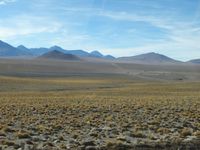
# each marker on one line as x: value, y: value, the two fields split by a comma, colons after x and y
x: 98, y: 112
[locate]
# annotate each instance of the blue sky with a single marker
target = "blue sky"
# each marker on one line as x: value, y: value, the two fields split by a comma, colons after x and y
x: 117, y: 27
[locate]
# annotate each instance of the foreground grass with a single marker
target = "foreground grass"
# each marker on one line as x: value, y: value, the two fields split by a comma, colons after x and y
x: 98, y: 113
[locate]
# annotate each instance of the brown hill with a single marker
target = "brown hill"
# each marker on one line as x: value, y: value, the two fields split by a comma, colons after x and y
x: 55, y: 54
x: 149, y: 58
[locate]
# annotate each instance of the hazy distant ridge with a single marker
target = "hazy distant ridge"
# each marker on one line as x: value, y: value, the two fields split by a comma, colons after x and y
x: 195, y: 61
x: 6, y: 50
x: 81, y: 53
x: 149, y: 58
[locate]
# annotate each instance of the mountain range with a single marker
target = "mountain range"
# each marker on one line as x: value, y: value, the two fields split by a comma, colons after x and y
x: 80, y: 53
x: 56, y: 52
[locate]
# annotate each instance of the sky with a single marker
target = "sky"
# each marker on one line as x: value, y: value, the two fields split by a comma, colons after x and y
x: 116, y: 27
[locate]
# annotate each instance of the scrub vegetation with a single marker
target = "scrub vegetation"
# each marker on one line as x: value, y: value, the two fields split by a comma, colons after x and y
x: 98, y: 112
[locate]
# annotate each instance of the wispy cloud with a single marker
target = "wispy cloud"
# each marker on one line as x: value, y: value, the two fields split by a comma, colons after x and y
x: 4, y: 2
x: 26, y: 24
x: 181, y: 36
x: 158, y: 21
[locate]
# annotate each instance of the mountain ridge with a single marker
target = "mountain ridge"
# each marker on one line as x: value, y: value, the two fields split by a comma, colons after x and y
x: 194, y: 61
x: 81, y: 53
x: 7, y: 50
x: 150, y: 57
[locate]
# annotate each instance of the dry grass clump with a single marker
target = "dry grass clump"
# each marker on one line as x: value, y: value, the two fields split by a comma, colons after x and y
x: 163, y: 130
x: 2, y: 133
x: 1, y: 127
x: 7, y: 129
x: 23, y: 134
x: 7, y: 142
x: 115, y: 144
x: 138, y: 134
x: 197, y: 134
x: 111, y: 143
x: 42, y: 128
x: 186, y: 132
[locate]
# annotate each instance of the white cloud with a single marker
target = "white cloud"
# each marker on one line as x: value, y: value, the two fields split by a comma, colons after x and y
x: 24, y: 25
x: 158, y: 21
x: 4, y: 2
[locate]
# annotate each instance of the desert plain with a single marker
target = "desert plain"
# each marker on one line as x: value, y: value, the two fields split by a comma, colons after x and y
x: 57, y: 105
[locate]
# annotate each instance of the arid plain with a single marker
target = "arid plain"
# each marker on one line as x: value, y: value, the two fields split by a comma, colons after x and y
x: 51, y: 104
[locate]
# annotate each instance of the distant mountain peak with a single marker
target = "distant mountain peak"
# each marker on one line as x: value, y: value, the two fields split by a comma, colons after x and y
x: 7, y: 50
x: 4, y: 43
x: 56, y: 54
x: 96, y: 53
x: 152, y: 53
x: 150, y: 57
x: 149, y: 53
x: 109, y: 57
x: 55, y: 47
x: 22, y: 47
